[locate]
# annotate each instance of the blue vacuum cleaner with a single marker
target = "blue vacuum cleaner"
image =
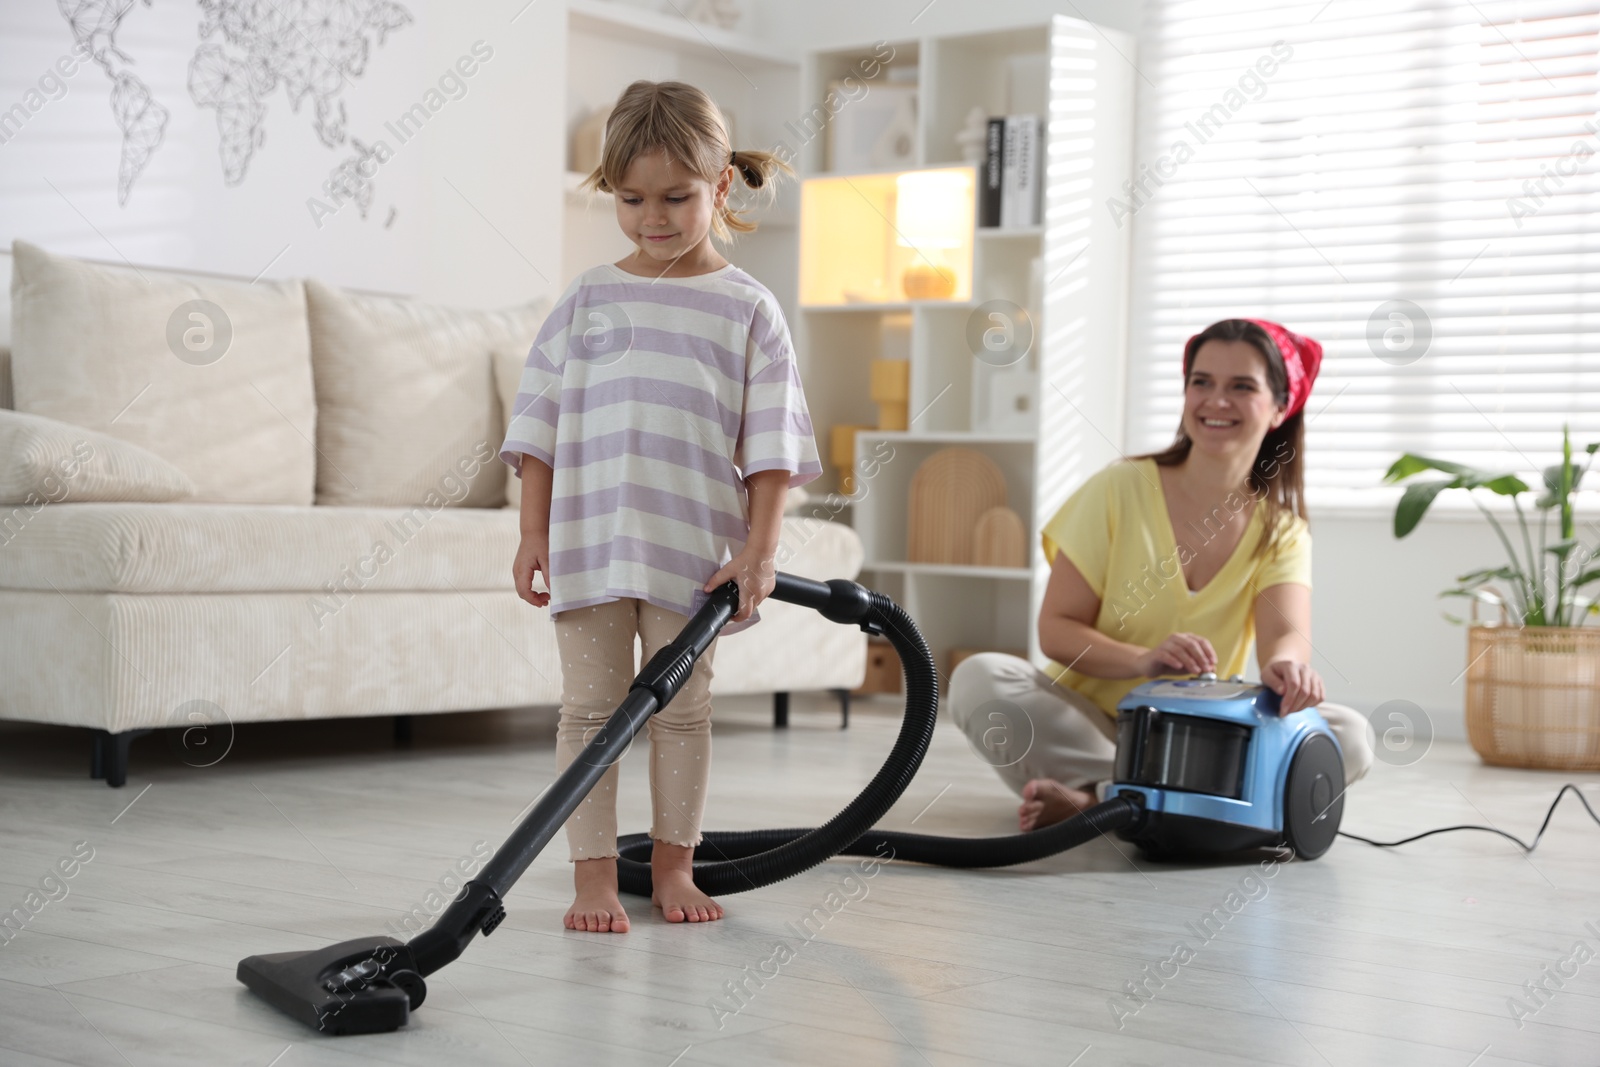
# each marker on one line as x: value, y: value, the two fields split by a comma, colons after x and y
x: 1213, y: 767
x: 1202, y: 766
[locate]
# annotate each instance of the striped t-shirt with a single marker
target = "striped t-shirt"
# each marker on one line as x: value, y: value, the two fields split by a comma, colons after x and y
x: 652, y: 399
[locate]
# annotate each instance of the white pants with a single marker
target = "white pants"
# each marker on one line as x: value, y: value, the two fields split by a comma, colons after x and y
x: 1027, y: 727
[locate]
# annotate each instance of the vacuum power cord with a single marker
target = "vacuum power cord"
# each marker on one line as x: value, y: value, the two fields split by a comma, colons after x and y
x: 1526, y: 848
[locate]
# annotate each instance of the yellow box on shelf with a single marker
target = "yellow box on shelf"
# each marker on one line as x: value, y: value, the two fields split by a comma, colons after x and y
x: 887, y: 238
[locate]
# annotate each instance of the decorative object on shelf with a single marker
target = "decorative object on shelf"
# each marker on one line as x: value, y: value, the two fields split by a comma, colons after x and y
x: 724, y: 14
x: 856, y: 132
x: 842, y: 455
x: 926, y: 281
x: 588, y: 140
x: 1003, y: 400
x: 1533, y: 681
x: 897, y: 144
x: 924, y: 223
x: 999, y: 539
x: 891, y: 391
x: 883, y: 669
x: 972, y: 137
x: 894, y: 335
x: 949, y: 491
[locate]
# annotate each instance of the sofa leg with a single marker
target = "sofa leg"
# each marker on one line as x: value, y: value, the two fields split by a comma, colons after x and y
x: 844, y: 707
x: 108, y: 758
x: 402, y: 731
x: 780, y: 710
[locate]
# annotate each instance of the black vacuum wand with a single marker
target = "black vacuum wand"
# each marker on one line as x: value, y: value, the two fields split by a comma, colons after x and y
x: 371, y: 985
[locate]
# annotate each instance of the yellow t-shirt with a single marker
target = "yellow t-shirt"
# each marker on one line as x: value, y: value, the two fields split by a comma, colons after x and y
x: 1116, y: 531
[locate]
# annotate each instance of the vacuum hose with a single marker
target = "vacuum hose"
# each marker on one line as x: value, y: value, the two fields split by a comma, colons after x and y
x: 740, y: 860
x: 371, y: 985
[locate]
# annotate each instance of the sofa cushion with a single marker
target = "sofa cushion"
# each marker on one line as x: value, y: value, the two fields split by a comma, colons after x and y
x: 406, y: 403
x: 508, y: 366
x: 130, y: 354
x: 331, y: 554
x: 5, y: 378
x: 46, y: 461
x: 193, y: 548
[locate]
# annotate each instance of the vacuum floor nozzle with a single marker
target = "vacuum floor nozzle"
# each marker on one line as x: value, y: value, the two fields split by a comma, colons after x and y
x: 366, y: 986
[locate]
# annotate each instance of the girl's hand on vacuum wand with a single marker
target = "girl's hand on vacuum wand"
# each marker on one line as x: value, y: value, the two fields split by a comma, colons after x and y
x: 756, y: 576
x: 1298, y: 685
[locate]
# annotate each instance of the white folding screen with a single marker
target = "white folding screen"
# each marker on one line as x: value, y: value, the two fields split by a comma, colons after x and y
x: 1414, y: 184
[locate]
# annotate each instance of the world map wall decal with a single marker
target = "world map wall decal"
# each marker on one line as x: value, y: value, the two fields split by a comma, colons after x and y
x: 313, y: 48
x: 94, y: 24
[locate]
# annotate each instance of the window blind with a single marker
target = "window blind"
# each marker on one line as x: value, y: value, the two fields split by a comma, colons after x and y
x: 1414, y: 184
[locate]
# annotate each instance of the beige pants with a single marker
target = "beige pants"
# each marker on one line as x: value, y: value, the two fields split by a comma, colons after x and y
x: 597, y: 668
x: 1026, y: 726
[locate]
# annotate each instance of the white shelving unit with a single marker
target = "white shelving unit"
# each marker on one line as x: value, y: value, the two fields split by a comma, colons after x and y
x: 611, y: 45
x: 1076, y: 77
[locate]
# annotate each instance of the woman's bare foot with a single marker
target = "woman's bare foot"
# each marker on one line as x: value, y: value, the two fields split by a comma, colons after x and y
x: 597, y: 910
x: 674, y: 891
x: 1046, y: 802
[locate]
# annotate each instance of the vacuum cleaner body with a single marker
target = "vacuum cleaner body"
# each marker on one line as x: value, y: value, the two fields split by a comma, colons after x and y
x: 1216, y: 769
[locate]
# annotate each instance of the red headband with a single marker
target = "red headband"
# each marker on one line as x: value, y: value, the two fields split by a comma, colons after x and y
x: 1302, y: 358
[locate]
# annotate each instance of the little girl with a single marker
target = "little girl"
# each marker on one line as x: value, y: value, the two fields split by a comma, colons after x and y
x: 659, y: 424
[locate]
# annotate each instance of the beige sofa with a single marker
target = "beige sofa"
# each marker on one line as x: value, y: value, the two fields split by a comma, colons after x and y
x: 226, y: 502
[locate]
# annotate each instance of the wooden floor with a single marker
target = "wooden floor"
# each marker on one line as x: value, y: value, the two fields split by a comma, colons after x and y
x: 307, y: 834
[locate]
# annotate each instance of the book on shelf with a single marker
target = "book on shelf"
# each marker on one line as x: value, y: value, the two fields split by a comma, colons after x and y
x: 990, y: 186
x: 1009, y: 193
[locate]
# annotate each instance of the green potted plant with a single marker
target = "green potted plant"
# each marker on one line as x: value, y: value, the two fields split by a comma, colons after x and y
x: 1533, y: 679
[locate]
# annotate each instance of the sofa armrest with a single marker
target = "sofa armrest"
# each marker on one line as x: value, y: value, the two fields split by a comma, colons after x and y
x: 818, y: 548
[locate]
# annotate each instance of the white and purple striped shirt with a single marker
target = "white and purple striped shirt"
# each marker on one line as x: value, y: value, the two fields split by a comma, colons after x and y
x: 653, y: 399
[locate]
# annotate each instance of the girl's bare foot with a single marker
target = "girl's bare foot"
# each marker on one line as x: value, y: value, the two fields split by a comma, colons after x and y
x: 674, y: 891
x: 1046, y: 802
x: 597, y: 910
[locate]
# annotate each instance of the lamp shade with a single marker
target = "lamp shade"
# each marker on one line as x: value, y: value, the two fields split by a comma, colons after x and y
x: 932, y: 208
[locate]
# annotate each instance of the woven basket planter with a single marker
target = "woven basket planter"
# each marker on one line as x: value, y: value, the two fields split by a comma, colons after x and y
x: 1533, y: 696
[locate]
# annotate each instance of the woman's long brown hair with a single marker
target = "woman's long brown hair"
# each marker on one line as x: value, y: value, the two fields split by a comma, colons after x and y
x: 1277, y: 477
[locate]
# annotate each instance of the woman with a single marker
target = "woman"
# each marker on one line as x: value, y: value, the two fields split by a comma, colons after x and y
x: 1168, y: 564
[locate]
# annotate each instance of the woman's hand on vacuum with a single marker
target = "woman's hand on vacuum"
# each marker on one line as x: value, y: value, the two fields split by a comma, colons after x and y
x: 533, y: 554
x: 1179, y: 654
x: 756, y: 575
x: 1298, y: 685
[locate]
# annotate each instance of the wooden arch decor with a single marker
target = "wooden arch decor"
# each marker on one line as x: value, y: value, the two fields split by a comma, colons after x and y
x: 999, y: 540
x: 949, y: 491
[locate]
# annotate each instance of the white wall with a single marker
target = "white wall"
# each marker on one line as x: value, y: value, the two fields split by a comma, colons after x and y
x: 496, y: 241
x: 1378, y: 627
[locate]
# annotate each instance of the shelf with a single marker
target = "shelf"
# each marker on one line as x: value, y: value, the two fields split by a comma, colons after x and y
x: 959, y: 437
x: 637, y: 25
x: 900, y: 306
x: 889, y: 172
x: 998, y: 233
x: 954, y: 570
x: 1069, y: 74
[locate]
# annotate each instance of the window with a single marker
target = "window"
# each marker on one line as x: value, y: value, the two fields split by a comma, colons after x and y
x: 1415, y: 185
